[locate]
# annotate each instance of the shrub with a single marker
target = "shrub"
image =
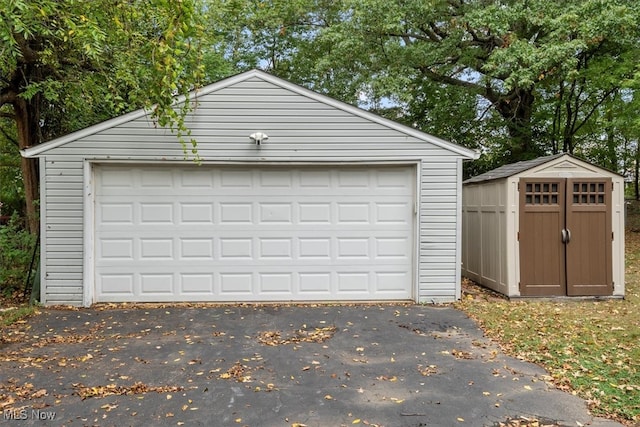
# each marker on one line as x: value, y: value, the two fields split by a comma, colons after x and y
x: 16, y: 251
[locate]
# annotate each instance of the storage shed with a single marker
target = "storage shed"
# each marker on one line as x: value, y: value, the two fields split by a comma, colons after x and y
x: 552, y: 226
x: 298, y: 197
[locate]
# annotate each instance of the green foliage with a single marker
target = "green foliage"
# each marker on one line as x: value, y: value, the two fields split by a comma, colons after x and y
x: 81, y: 62
x: 70, y: 64
x: 11, y: 190
x: 16, y: 250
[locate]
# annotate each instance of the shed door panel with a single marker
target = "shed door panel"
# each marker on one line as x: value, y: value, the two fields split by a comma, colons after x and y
x: 254, y: 234
x: 589, y: 251
x: 542, y: 260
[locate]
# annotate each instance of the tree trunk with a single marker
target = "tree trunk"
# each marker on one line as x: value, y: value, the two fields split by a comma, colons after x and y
x: 28, y: 129
x: 516, y: 110
x: 637, y: 171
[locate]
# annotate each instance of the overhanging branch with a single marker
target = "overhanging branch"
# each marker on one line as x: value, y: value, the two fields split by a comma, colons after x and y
x: 442, y: 78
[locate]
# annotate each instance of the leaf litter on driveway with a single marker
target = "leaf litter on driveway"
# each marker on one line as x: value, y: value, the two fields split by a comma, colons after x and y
x: 272, y: 366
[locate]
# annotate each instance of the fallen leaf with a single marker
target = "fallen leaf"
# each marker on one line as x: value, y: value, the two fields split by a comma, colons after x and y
x: 39, y: 393
x: 108, y: 407
x: 356, y: 421
x: 85, y: 358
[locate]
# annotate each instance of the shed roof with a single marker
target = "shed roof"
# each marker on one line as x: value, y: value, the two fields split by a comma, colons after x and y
x: 43, y: 148
x: 511, y: 169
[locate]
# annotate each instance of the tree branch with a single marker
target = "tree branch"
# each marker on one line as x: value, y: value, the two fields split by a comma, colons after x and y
x: 7, y: 96
x: 440, y: 78
x: 28, y: 54
x: 597, y: 105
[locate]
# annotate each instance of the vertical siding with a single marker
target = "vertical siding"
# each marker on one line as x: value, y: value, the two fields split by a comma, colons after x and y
x: 484, y: 230
x: 471, y: 232
x: 300, y: 129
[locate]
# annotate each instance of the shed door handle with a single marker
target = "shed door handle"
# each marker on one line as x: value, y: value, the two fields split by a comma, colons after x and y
x: 566, y: 235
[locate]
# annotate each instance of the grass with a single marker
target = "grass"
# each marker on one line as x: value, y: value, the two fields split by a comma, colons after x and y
x: 14, y: 314
x: 590, y: 348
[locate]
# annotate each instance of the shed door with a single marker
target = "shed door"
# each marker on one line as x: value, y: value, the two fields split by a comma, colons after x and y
x: 565, y: 237
x: 589, y: 249
x: 234, y: 233
x: 542, y: 253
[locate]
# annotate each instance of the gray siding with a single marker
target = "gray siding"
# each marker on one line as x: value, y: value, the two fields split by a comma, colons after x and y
x: 62, y: 233
x: 300, y: 129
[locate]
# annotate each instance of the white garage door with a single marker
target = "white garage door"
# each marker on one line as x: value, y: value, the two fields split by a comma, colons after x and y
x: 253, y: 234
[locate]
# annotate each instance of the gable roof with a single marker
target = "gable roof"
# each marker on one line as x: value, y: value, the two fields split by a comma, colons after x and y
x: 511, y: 169
x: 41, y: 149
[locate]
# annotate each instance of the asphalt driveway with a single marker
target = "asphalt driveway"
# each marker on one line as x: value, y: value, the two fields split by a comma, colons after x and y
x: 385, y: 365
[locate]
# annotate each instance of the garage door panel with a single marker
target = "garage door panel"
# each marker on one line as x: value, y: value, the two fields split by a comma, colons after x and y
x: 117, y: 285
x: 276, y: 249
x: 196, y: 249
x: 196, y: 284
x: 196, y: 213
x: 156, y: 283
x: 391, y: 281
x: 242, y: 234
x: 268, y: 250
x: 118, y: 213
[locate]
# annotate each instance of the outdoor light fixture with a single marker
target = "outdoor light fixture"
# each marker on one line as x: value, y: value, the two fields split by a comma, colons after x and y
x: 259, y: 137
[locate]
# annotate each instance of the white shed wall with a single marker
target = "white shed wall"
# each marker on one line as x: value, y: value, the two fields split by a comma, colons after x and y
x: 301, y: 130
x: 484, y: 228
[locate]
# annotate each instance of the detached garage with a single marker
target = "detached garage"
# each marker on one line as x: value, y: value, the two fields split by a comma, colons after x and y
x: 552, y: 226
x: 298, y: 197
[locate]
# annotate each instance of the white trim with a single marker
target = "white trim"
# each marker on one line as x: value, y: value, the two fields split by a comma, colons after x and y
x: 89, y: 232
x: 43, y: 232
x: 417, y: 205
x: 566, y: 158
x: 43, y: 148
x: 458, y: 264
x: 255, y: 163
